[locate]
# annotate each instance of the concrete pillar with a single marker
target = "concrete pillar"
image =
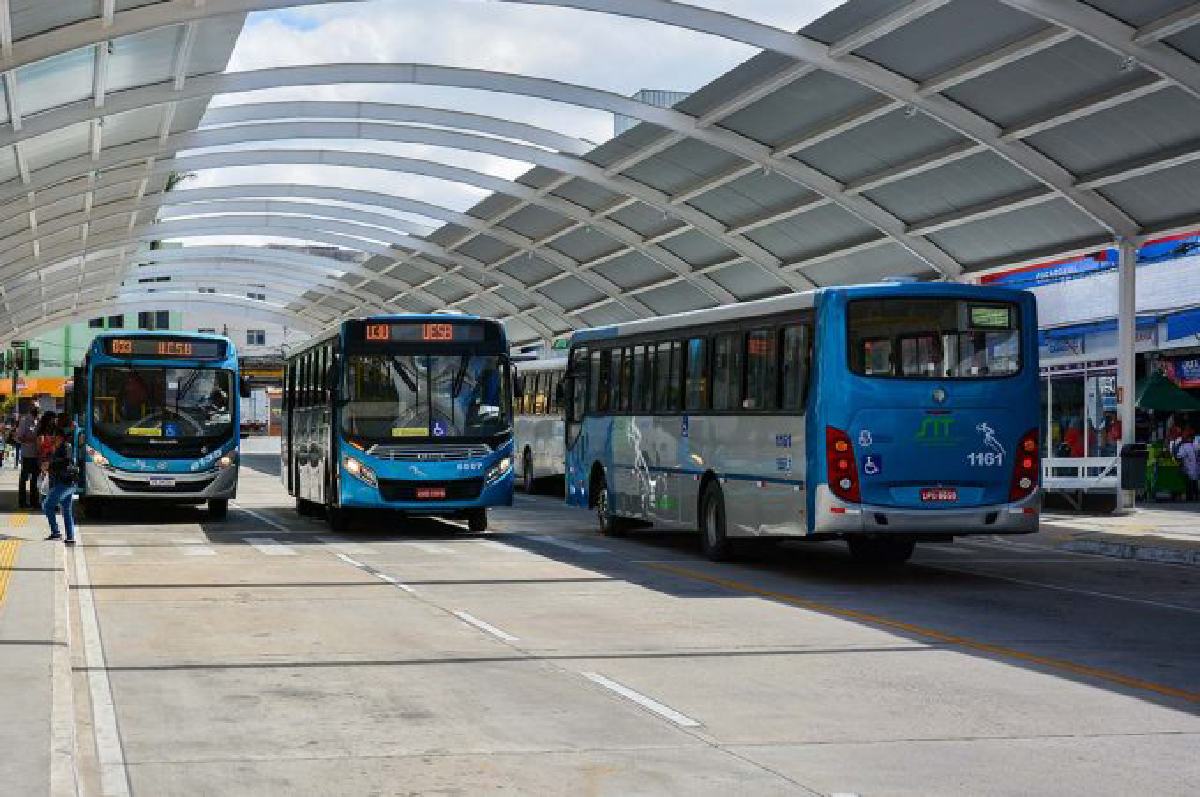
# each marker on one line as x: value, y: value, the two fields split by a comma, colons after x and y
x: 1126, y: 359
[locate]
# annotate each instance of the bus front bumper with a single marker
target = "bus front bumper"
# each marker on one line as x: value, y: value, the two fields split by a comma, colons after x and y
x: 834, y: 516
x: 358, y: 495
x: 199, y: 486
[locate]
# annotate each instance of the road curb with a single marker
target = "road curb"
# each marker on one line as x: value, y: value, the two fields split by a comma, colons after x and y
x: 1126, y: 550
x: 64, y: 781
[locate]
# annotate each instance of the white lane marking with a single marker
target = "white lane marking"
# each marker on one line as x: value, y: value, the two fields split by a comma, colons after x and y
x: 350, y: 561
x: 394, y: 582
x: 259, y: 516
x: 427, y: 548
x: 345, y: 545
x: 193, y: 548
x: 471, y: 619
x: 270, y: 546
x: 666, y: 712
x: 115, y: 548
x: 64, y: 775
x: 1073, y: 590
x: 114, y: 779
x: 570, y: 546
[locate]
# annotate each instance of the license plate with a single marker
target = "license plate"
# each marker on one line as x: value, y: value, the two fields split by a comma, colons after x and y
x: 939, y: 495
x: 428, y: 493
x: 162, y: 481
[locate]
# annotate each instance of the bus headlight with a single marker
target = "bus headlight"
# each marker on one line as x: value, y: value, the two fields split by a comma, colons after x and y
x: 227, y: 460
x: 359, y: 471
x: 97, y: 458
x: 500, y: 469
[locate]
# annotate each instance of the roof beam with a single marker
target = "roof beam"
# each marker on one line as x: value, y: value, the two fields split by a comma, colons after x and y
x: 1168, y: 25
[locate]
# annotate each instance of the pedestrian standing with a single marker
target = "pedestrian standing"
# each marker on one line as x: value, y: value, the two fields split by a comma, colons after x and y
x: 63, y: 471
x: 1189, y: 460
x: 27, y: 459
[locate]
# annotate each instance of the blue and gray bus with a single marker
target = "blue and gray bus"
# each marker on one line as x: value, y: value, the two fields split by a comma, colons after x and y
x: 408, y: 413
x: 881, y: 415
x: 158, y: 415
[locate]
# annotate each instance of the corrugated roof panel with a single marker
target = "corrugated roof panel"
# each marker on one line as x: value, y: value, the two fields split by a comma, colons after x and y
x: 605, y: 314
x: 850, y: 17
x: 963, y: 30
x: 1140, y: 12
x: 142, y: 58
x: 63, y: 207
x: 644, y: 220
x: 1045, y: 82
x: 485, y: 249
x: 696, y: 248
x: 589, y: 195
x: 446, y: 290
x: 514, y: 297
x: 868, y: 266
x: 748, y: 281
x: 535, y: 222
x: 1010, y: 234
x: 1186, y: 42
x: 954, y: 186
x: 8, y: 165
x: 585, y: 244
x: 677, y: 297
x: 30, y: 17
x: 58, y: 145
x: 626, y: 144
x: 529, y: 269
x: 811, y: 233
x: 55, y: 81
x: 633, y: 271
x: 798, y: 107
x: 682, y: 166
x: 571, y: 292
x: 1133, y: 131
x: 1143, y: 197
x: 751, y: 197
x: 880, y: 144
x: 131, y: 126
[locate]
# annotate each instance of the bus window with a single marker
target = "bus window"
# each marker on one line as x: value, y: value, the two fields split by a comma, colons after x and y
x: 625, y: 387
x: 579, y: 384
x: 665, y: 395
x: 727, y: 371
x: 877, y: 357
x: 696, y: 387
x: 761, y: 391
x: 640, y: 380
x: 600, y: 382
x: 920, y: 355
x: 794, y: 372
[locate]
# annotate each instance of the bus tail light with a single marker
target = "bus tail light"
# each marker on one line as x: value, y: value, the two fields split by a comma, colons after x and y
x: 843, y: 471
x: 1026, y: 468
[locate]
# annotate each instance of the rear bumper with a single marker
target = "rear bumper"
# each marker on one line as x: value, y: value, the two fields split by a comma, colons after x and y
x: 200, y: 486
x: 834, y: 516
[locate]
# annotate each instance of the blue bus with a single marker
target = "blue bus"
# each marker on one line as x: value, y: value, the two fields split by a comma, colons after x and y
x: 881, y: 415
x: 158, y: 418
x: 408, y: 413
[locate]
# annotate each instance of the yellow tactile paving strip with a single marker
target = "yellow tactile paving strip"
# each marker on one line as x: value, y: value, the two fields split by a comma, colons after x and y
x: 8, y: 557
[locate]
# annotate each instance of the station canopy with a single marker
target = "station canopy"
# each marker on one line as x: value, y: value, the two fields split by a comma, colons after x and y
x: 935, y: 138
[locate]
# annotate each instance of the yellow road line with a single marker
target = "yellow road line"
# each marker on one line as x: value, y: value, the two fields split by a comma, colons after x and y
x: 930, y: 633
x: 8, y: 556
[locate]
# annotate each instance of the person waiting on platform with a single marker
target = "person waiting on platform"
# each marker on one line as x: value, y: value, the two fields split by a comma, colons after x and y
x: 1188, y: 455
x: 27, y: 491
x: 63, y: 473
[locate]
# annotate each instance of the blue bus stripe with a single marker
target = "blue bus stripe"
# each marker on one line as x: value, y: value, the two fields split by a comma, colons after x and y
x: 744, y: 477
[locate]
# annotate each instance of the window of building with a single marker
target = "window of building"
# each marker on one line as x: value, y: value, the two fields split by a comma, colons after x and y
x: 259, y: 297
x: 256, y: 337
x: 96, y: 323
x: 762, y: 392
x: 208, y: 290
x: 727, y: 371
x: 34, y: 359
x: 696, y: 386
x: 207, y: 331
x: 154, y: 319
x: 116, y: 322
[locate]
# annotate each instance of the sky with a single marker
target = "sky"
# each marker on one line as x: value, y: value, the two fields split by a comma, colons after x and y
x: 581, y: 47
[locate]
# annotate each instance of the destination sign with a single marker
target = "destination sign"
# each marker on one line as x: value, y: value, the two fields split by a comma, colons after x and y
x: 165, y: 348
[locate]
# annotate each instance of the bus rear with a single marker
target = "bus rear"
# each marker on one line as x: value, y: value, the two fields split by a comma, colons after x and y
x: 926, y: 415
x: 425, y: 417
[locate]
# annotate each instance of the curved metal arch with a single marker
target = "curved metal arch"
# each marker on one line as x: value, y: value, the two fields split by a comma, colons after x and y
x: 565, y: 164
x: 86, y: 310
x: 394, y: 113
x: 500, y: 82
x: 311, y: 232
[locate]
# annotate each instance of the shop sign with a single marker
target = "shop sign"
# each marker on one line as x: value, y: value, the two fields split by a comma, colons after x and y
x: 1065, y: 345
x: 1184, y: 372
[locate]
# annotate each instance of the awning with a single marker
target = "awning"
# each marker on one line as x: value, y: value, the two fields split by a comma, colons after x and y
x: 1160, y: 393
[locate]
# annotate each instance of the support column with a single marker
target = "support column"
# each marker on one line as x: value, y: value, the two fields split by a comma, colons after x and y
x: 1126, y: 358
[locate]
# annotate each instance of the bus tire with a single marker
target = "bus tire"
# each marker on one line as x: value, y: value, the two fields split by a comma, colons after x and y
x: 303, y: 508
x: 527, y: 472
x: 337, y: 518
x: 610, y: 525
x: 477, y: 520
x: 218, y: 508
x: 92, y: 509
x: 881, y: 551
x: 713, y: 541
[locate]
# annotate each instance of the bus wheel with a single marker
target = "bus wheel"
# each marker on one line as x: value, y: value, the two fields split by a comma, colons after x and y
x: 527, y: 473
x: 713, y: 542
x: 868, y: 551
x: 337, y: 518
x: 92, y: 509
x: 477, y: 520
x: 610, y: 524
x: 218, y: 508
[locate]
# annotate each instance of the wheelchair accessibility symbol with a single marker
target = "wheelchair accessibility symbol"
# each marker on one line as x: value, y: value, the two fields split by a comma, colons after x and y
x: 872, y: 465
x: 439, y: 430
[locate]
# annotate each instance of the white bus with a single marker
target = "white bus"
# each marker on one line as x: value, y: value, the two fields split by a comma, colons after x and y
x: 538, y: 430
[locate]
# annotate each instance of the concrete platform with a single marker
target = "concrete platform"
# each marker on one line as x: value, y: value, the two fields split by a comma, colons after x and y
x: 266, y: 655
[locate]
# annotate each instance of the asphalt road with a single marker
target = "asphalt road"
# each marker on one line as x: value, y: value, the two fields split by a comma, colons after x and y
x: 264, y: 655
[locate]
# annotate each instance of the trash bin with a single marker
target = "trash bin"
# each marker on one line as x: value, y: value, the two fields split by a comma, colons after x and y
x: 1133, y: 466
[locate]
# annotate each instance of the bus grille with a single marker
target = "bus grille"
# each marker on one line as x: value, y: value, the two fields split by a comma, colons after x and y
x: 177, y: 487
x: 456, y: 490
x: 428, y: 453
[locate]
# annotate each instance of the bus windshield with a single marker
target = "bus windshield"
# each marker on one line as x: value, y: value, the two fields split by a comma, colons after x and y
x: 427, y: 396
x: 150, y: 403
x: 933, y: 338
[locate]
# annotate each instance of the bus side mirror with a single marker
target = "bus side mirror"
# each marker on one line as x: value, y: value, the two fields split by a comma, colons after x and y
x: 243, y: 387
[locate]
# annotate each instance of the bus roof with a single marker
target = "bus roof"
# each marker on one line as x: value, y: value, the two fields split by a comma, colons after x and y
x: 794, y: 302
x: 387, y: 318
x: 160, y: 333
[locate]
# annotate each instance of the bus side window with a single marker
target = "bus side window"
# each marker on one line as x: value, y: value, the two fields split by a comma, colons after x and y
x: 598, y: 382
x: 795, y: 367
x: 662, y: 378
x: 639, y: 379
x: 696, y: 386
x: 625, y: 389
x: 579, y: 384
x: 539, y: 393
x: 727, y: 371
x: 761, y: 371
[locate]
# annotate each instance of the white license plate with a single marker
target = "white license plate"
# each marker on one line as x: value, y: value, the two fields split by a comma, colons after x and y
x: 162, y: 481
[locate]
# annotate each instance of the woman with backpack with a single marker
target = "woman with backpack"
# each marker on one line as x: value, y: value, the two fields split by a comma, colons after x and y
x: 63, y: 472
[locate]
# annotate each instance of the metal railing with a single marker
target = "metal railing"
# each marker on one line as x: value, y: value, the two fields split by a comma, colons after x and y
x: 1074, y: 474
